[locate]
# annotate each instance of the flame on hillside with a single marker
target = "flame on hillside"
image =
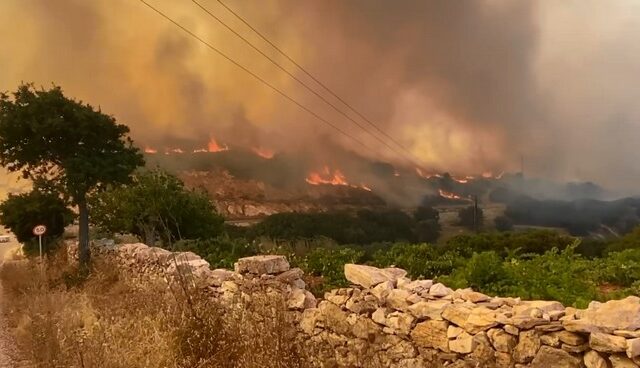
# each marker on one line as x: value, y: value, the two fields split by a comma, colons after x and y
x: 263, y: 152
x: 449, y: 195
x: 213, y: 146
x: 173, y: 150
x: 329, y: 177
x: 424, y: 175
x: 150, y: 150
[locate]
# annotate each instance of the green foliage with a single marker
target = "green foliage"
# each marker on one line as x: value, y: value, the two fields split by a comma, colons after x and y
x: 619, y: 268
x: 48, y: 136
x: 21, y: 213
x: 156, y: 206
x: 484, y: 271
x: 419, y: 260
x: 329, y: 263
x: 629, y: 241
x: 220, y: 252
x: 364, y: 227
x: 534, y: 241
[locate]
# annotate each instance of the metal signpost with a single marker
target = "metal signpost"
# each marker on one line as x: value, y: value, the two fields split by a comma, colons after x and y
x: 39, y: 231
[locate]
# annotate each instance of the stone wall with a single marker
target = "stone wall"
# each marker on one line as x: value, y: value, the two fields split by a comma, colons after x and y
x: 386, y: 319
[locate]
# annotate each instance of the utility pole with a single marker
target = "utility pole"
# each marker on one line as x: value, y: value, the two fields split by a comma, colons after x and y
x: 475, y: 213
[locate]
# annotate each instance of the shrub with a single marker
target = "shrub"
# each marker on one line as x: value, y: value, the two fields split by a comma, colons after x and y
x: 419, y: 260
x: 220, y: 252
x: 329, y: 263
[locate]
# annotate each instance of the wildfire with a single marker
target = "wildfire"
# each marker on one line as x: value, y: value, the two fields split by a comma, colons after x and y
x: 173, y: 150
x: 335, y: 177
x: 327, y: 177
x: 213, y: 146
x: 423, y: 175
x: 263, y: 152
x: 460, y: 180
x: 150, y: 150
x: 450, y: 195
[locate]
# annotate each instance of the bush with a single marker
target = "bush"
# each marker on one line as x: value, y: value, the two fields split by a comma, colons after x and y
x: 419, y: 260
x: 329, y: 263
x: 484, y: 272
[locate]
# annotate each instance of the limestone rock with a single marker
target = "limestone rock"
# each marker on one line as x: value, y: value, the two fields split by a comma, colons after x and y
x: 550, y: 357
x: 397, y: 299
x: 431, y: 334
x: 439, y: 290
x: 382, y: 290
x: 621, y: 361
x: 417, y: 286
x: 429, y: 309
x: 633, y: 347
x: 260, y: 265
x: 480, y: 319
x: 364, y: 328
x: 308, y: 321
x: 301, y: 299
x: 457, y: 313
x: 623, y: 314
x: 570, y: 338
x: 380, y: 316
x: 334, y: 318
x: 463, y: 344
x: 593, y: 359
x: 400, y: 322
x: 472, y: 296
x: 528, y: 345
x: 501, y: 341
x: 368, y: 276
x: 606, y: 343
x: 454, y: 331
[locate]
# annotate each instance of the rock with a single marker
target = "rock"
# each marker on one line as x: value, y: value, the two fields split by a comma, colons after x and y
x: 439, y: 290
x: 550, y: 357
x: 400, y: 322
x: 454, y: 331
x: 416, y: 286
x: 528, y: 345
x: 575, y: 349
x: 308, y: 321
x: 457, y: 313
x: 397, y: 299
x: 570, y: 338
x: 301, y: 299
x: 431, y: 309
x: 525, y: 307
x: 472, y: 296
x: 592, y: 359
x: 431, y: 334
x: 613, y: 315
x: 337, y: 299
x: 380, y: 316
x: 364, y: 328
x: 260, y: 265
x: 290, y: 275
x: 501, y: 341
x: 480, y: 319
x: 606, y: 343
x: 627, y: 334
x: 463, y: 344
x: 382, y: 290
x: 633, y: 347
x: 334, y: 318
x: 368, y: 276
x: 621, y: 361
x: 551, y: 340
x: 512, y: 330
x: 395, y: 272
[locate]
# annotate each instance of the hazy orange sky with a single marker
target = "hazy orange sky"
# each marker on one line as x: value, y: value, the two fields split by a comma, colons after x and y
x: 466, y: 86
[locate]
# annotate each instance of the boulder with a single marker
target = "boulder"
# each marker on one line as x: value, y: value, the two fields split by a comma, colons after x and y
x: 606, y: 343
x: 301, y: 299
x: 368, y: 276
x: 528, y: 345
x: 550, y: 357
x: 457, y: 313
x: 621, y: 361
x: 502, y: 341
x: 261, y: 265
x: 382, y: 290
x: 431, y: 309
x: 397, y: 299
x: 439, y: 290
x: 431, y: 334
x: 463, y: 344
x: 480, y: 319
x: 633, y: 347
x: 623, y: 314
x: 570, y: 338
x: 400, y: 322
x: 416, y: 286
x: 593, y: 359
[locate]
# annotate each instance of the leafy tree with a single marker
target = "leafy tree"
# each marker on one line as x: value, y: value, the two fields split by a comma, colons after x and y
x: 48, y: 136
x: 22, y: 212
x: 156, y: 206
x: 471, y: 217
x: 629, y: 241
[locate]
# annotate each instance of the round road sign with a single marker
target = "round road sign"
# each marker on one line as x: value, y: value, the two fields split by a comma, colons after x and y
x: 39, y: 230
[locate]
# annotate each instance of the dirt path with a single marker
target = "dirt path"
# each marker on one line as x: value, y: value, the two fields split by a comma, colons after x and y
x: 7, y: 348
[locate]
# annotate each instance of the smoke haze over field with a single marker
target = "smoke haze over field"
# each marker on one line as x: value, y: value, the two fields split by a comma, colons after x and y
x: 466, y: 86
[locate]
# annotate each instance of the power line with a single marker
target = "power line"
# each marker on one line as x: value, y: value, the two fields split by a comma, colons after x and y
x: 315, y: 79
x: 296, y: 78
x: 274, y: 88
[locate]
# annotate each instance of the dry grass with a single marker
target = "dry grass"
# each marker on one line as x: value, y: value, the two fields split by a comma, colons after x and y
x: 108, y: 320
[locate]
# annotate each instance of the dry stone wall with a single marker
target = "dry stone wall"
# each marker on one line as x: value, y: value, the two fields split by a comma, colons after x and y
x: 386, y: 319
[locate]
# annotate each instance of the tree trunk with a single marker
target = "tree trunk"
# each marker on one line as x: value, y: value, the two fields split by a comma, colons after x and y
x: 84, y: 253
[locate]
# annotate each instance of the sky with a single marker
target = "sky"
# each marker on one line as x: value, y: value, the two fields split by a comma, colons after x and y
x: 466, y: 87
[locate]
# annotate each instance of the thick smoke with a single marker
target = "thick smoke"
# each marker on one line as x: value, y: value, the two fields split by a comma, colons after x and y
x: 466, y: 86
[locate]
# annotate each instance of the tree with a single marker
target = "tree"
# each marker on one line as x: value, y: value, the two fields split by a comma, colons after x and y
x: 48, y: 136
x: 156, y: 206
x: 503, y: 223
x: 22, y: 212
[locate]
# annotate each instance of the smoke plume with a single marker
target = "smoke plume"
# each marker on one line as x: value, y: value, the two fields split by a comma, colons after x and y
x: 466, y: 87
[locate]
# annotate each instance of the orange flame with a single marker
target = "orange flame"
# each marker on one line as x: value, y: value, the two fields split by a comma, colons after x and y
x: 150, y: 150
x: 173, y: 150
x: 213, y: 146
x: 423, y: 175
x: 450, y: 195
x: 335, y: 177
x: 263, y: 152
